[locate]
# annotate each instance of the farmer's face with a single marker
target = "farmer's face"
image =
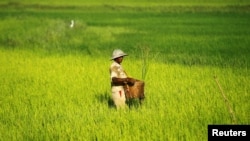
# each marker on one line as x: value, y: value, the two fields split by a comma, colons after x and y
x: 119, y: 60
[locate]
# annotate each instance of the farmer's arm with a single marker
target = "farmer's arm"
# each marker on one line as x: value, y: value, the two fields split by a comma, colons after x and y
x: 122, y: 81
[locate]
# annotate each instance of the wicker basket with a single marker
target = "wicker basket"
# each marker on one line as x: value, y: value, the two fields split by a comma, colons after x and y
x: 136, y: 90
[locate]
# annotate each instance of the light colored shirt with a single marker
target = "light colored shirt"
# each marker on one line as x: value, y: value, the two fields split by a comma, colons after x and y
x: 116, y: 70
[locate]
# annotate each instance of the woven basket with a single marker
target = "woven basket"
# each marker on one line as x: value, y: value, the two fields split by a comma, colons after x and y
x: 136, y: 90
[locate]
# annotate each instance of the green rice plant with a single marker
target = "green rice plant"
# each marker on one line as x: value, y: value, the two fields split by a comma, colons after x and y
x: 145, y: 58
x: 51, y: 98
x: 234, y: 121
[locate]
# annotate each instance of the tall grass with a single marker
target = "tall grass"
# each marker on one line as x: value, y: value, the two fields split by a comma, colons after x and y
x: 129, y: 2
x: 67, y: 97
x: 55, y: 82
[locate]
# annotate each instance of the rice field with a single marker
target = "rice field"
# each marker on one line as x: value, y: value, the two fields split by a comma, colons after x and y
x: 55, y: 84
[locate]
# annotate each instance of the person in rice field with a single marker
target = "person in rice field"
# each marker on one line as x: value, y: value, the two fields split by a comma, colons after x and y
x: 119, y: 79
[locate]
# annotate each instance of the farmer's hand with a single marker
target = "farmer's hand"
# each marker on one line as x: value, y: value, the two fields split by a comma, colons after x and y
x: 131, y: 81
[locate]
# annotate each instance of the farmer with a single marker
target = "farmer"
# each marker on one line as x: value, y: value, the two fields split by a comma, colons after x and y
x: 119, y: 79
